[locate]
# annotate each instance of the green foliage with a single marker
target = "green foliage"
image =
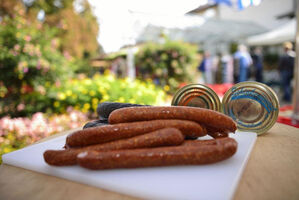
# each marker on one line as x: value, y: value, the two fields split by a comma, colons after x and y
x: 167, y: 64
x: 36, y: 77
x: 78, y: 27
x: 84, y: 94
x: 82, y: 66
x: 29, y: 58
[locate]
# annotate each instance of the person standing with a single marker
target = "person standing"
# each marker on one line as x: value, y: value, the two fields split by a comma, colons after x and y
x: 258, y: 64
x: 202, y: 69
x: 218, y: 69
x: 286, y: 68
x: 227, y: 68
x: 206, y: 67
x: 244, y: 61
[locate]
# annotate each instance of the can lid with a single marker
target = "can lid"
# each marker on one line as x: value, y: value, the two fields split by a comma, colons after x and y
x: 197, y: 95
x: 253, y: 105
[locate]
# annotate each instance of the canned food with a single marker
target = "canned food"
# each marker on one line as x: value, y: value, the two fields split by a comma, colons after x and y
x: 253, y: 105
x: 197, y: 95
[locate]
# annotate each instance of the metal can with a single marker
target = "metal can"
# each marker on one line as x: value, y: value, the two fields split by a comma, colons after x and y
x: 253, y: 105
x: 197, y: 95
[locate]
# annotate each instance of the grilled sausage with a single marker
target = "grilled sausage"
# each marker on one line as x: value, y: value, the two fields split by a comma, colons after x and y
x: 109, y: 133
x: 163, y: 156
x: 162, y: 137
x: 200, y: 115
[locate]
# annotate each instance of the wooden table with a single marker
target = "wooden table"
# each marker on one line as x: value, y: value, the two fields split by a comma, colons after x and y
x: 272, y: 173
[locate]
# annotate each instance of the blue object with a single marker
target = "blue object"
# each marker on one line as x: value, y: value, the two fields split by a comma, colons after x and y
x: 227, y: 2
x: 286, y: 84
x: 202, y: 67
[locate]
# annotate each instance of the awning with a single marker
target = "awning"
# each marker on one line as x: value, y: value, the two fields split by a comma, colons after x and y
x: 215, y: 35
x: 277, y: 36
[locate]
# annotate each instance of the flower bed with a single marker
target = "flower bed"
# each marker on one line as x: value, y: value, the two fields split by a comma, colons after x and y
x: 84, y: 94
x: 16, y: 133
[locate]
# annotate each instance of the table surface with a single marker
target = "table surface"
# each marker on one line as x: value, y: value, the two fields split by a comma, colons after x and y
x: 272, y: 172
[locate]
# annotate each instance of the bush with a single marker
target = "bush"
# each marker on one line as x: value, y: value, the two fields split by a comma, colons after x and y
x: 29, y: 58
x: 84, y: 94
x: 167, y: 64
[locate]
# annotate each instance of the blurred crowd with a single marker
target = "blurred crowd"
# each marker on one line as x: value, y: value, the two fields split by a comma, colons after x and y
x: 247, y: 66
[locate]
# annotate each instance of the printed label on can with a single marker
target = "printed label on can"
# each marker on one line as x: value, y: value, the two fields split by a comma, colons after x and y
x: 251, y: 94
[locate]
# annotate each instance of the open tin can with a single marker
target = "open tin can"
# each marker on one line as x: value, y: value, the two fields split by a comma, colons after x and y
x: 197, y: 95
x: 253, y: 105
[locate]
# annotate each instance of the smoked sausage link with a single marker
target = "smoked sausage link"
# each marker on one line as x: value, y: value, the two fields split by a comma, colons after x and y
x: 103, y: 134
x: 200, y: 115
x: 61, y: 157
x: 163, y: 156
x: 216, y: 132
x: 208, y: 142
x: 162, y: 137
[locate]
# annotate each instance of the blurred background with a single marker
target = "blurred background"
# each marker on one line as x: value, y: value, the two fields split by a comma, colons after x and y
x: 60, y: 58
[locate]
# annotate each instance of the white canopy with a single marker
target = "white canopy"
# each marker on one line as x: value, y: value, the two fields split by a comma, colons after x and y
x: 214, y: 35
x: 279, y: 35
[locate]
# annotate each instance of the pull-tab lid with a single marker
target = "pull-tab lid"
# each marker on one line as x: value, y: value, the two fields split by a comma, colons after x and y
x: 253, y: 105
x: 197, y: 95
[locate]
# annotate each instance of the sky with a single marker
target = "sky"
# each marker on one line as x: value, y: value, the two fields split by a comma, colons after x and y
x: 121, y: 20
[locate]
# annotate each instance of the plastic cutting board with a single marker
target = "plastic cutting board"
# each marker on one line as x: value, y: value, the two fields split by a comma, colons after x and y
x: 213, y: 181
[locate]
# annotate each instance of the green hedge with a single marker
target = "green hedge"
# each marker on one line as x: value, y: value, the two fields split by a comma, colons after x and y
x: 168, y: 64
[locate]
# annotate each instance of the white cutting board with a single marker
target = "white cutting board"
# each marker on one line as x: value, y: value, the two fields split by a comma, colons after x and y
x: 213, y: 181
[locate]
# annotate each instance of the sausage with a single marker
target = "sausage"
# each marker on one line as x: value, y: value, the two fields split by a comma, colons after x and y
x: 109, y: 133
x: 213, y: 132
x: 162, y: 156
x: 61, y: 157
x: 216, y: 132
x: 200, y: 115
x: 162, y: 137
x: 207, y: 142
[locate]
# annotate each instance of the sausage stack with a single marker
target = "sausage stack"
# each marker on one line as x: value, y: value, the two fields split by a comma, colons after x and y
x: 149, y: 136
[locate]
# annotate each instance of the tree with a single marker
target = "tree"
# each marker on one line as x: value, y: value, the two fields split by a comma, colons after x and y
x: 79, y: 27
